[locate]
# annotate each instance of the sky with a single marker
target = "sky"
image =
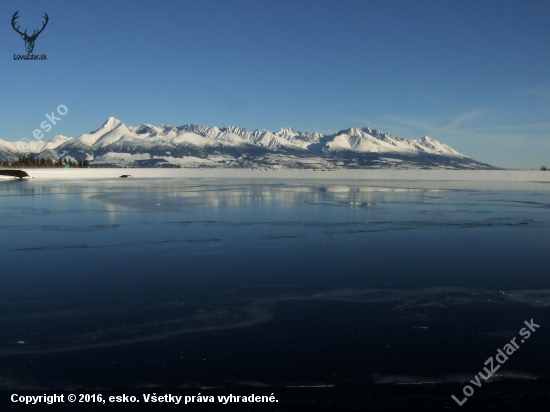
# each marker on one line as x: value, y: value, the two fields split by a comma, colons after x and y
x: 472, y: 74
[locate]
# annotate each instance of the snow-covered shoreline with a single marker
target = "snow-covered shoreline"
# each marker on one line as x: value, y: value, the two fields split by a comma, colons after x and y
x: 342, y: 174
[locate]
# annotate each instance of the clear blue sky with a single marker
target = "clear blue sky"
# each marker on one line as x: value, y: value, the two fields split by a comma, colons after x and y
x: 473, y: 74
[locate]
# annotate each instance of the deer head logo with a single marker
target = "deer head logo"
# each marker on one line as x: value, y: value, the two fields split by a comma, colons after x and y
x: 29, y: 40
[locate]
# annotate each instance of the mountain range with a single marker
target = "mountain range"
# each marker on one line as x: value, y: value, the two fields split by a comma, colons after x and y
x: 116, y: 145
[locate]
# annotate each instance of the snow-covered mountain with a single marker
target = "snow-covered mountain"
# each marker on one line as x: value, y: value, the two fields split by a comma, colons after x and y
x: 115, y: 144
x: 8, y: 150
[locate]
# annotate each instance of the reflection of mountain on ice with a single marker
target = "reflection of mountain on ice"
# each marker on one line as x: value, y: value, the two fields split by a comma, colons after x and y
x: 115, y: 144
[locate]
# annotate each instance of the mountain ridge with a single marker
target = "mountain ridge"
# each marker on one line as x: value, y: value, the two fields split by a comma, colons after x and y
x: 146, y: 145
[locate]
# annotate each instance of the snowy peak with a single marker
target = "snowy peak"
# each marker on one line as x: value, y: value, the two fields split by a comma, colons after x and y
x: 4, y: 144
x: 33, y: 146
x: 113, y: 135
x: 111, y: 124
x: 59, y: 139
x: 367, y: 140
x: 90, y: 139
x: 145, y: 129
x: 371, y: 140
x: 297, y: 138
x: 286, y: 132
x: 428, y: 144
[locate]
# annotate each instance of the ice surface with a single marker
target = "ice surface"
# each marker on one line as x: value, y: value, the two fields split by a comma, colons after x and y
x: 365, y: 175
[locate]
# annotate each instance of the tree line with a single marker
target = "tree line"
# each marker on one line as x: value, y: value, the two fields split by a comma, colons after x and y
x: 30, y: 161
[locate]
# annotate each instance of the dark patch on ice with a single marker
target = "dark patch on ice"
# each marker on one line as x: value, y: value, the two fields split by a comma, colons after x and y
x: 133, y: 324
x: 283, y: 237
x: 456, y: 378
x: 184, y: 241
x: 503, y: 334
x: 59, y: 228
x: 115, y: 322
x: 58, y: 247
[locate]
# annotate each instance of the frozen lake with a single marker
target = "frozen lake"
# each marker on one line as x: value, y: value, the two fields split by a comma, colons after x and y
x: 373, y: 291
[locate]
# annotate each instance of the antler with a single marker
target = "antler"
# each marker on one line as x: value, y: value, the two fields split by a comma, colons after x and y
x: 13, y: 19
x: 35, y: 33
x: 43, y: 26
